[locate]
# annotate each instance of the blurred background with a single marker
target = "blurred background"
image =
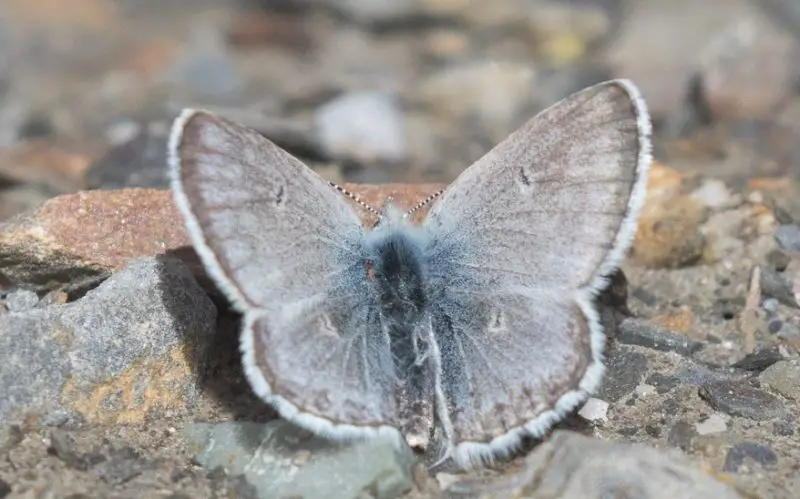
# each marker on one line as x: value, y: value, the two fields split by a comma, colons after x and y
x: 383, y: 90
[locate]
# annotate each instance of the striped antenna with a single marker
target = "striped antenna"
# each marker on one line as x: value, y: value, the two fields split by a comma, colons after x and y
x: 425, y: 202
x: 356, y: 199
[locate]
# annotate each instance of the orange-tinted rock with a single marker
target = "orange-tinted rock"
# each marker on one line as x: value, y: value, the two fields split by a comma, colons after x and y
x: 668, y: 234
x: 39, y: 162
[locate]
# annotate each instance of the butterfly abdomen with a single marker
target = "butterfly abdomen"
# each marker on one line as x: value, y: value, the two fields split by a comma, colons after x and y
x: 397, y: 271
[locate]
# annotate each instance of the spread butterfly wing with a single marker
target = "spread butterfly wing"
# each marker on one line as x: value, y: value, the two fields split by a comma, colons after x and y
x: 282, y: 245
x: 524, y: 238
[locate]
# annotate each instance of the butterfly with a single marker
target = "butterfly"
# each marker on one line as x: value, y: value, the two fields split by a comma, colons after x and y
x: 460, y: 335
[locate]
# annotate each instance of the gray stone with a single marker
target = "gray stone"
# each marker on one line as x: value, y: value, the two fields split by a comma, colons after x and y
x: 625, y: 369
x: 266, y: 454
x: 776, y: 285
x: 365, y: 126
x: 760, y: 453
x: 784, y: 378
x: 788, y: 237
x: 681, y: 435
x: 760, y: 360
x: 21, y: 300
x: 570, y: 465
x: 738, y: 398
x: 135, y: 338
x: 643, y: 333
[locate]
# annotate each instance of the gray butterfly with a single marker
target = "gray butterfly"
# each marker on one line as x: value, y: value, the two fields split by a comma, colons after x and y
x: 462, y: 334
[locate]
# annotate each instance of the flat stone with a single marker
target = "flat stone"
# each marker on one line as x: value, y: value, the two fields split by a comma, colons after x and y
x: 788, y: 237
x: 760, y: 453
x: 715, y: 423
x: 681, y: 435
x: 643, y: 333
x: 129, y: 349
x: 738, y: 398
x: 594, y: 410
x: 662, y: 383
x: 777, y: 285
x: 783, y: 378
x: 265, y: 454
x: 760, y: 360
x: 570, y: 465
x: 625, y: 369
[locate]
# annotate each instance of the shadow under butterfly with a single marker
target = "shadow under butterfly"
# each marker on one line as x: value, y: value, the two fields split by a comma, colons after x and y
x: 460, y: 335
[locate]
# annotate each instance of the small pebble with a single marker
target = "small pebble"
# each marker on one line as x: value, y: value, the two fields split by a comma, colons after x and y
x: 783, y: 378
x: 788, y: 237
x: 594, y: 410
x: 646, y: 334
x: 738, y: 398
x: 715, y: 423
x: 760, y: 453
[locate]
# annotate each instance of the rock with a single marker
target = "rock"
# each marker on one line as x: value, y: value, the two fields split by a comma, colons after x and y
x: 140, y: 161
x: 788, y: 237
x: 668, y: 234
x: 570, y: 465
x: 715, y: 423
x: 681, y: 435
x: 760, y: 453
x: 77, y: 236
x: 759, y: 360
x: 738, y: 398
x: 663, y: 384
x: 776, y: 285
x: 625, y: 369
x: 5, y: 488
x: 497, y: 94
x: 714, y: 194
x: 594, y: 410
x: 40, y: 162
x: 784, y: 378
x: 266, y: 454
x: 365, y: 126
x: 127, y: 350
x: 21, y: 300
x: 638, y: 332
x: 783, y: 428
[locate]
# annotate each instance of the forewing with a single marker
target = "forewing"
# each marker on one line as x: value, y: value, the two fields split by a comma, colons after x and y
x: 523, y: 240
x: 285, y: 248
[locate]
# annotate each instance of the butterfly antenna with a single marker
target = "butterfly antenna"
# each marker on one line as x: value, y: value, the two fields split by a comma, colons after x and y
x: 425, y: 202
x: 356, y: 199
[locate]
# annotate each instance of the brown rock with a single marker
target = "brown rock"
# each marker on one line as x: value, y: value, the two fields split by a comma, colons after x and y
x: 39, y: 162
x: 669, y: 225
x: 72, y: 237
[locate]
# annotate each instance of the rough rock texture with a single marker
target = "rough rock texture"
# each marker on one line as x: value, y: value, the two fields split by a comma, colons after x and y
x: 127, y: 351
x: 570, y: 465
